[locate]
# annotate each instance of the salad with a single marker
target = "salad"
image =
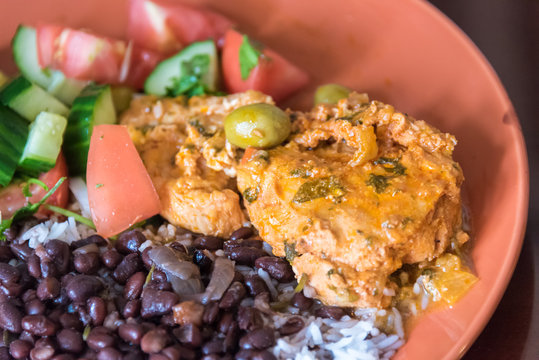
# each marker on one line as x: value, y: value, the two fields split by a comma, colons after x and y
x: 156, y: 195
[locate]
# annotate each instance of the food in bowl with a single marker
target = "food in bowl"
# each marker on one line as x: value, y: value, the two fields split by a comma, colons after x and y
x: 344, y: 195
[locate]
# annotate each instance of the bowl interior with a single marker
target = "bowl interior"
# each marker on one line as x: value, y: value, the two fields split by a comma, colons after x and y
x: 403, y: 52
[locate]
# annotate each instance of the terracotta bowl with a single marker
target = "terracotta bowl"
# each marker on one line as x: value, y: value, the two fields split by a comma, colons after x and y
x: 403, y: 52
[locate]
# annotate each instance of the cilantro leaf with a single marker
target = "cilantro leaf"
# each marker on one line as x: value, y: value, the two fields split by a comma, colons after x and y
x: 248, y: 55
x: 27, y: 210
x: 191, y: 83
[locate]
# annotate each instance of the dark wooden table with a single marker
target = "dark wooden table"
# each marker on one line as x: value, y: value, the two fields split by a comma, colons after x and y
x: 507, y: 32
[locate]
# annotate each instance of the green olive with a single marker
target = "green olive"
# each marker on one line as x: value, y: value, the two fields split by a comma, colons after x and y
x: 258, y: 125
x: 330, y: 94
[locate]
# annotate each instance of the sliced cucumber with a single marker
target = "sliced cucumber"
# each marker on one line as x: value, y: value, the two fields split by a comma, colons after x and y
x: 93, y: 107
x: 13, y: 135
x: 28, y: 99
x: 172, y: 70
x: 43, y: 144
x: 121, y: 97
x: 65, y: 89
x: 24, y: 46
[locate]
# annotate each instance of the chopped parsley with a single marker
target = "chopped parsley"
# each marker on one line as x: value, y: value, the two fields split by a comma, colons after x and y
x: 290, y: 251
x: 251, y: 194
x: 191, y: 83
x: 319, y: 188
x: 249, y: 55
x: 97, y: 186
x: 330, y: 272
x: 378, y: 182
x: 391, y: 165
x: 200, y: 128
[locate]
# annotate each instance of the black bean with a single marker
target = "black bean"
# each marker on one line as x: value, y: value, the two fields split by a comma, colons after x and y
x: 129, y: 241
x: 167, y: 320
x: 129, y: 265
x: 21, y: 251
x: 134, y: 355
x: 8, y: 273
x: 20, y: 349
x: 131, y: 309
x: 48, y: 268
x: 26, y: 336
x: 42, y: 353
x: 233, y: 296
x: 38, y: 325
x: 159, y: 276
x: 63, y: 357
x: 208, y: 242
x: 87, y: 263
x: 81, y: 287
x: 92, y: 239
x: 278, y: 268
x: 231, y: 338
x: 35, y: 307
x: 97, y: 309
x: 179, y: 247
x: 245, y: 255
x: 330, y: 312
x: 173, y: 352
x: 231, y: 244
x: 258, y: 339
x: 156, y: 302
x: 238, y: 276
x: 111, y: 258
x: 133, y: 287
x: 5, y: 253
x: 242, y: 233
x: 154, y: 341
x: 34, y: 266
x: 11, y: 289
x: 255, y: 285
x: 264, y: 355
x: 292, y: 326
x: 146, y: 258
x: 70, y: 321
x: 60, y: 254
x: 188, y: 334
x: 70, y: 340
x: 109, y: 353
x: 48, y: 288
x: 158, y: 357
x: 100, y: 338
x: 245, y: 355
x: 10, y: 317
x: 131, y: 333
x: 227, y: 319
x: 202, y: 260
x: 301, y: 301
x: 249, y: 318
x: 214, y: 346
x: 211, y: 311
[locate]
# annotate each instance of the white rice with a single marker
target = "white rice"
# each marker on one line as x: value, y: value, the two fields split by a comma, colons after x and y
x: 67, y: 231
x: 347, y: 338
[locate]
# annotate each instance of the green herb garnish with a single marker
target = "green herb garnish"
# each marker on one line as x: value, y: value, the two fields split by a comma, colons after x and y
x: 200, y: 128
x: 191, y: 83
x: 97, y: 186
x: 319, y: 188
x: 28, y: 210
x: 391, y: 165
x: 301, y: 283
x: 249, y: 55
x: 330, y: 272
x: 72, y: 214
x: 378, y: 182
x: 251, y: 194
x: 26, y: 188
x: 290, y: 251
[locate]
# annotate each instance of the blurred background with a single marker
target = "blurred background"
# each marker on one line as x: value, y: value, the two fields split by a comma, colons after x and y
x: 507, y: 32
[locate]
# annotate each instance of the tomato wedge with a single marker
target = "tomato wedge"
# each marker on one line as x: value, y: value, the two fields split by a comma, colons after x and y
x: 12, y: 198
x: 120, y: 191
x: 167, y: 26
x: 273, y: 75
x: 80, y: 54
x: 140, y: 63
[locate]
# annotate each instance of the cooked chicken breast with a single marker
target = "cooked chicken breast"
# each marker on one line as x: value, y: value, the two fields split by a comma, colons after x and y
x: 358, y: 191
x: 183, y: 146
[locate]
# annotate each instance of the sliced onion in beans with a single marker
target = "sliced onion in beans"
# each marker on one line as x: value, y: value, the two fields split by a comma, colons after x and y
x: 221, y: 277
x: 79, y: 189
x: 185, y: 287
x: 165, y: 259
x: 90, y: 248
